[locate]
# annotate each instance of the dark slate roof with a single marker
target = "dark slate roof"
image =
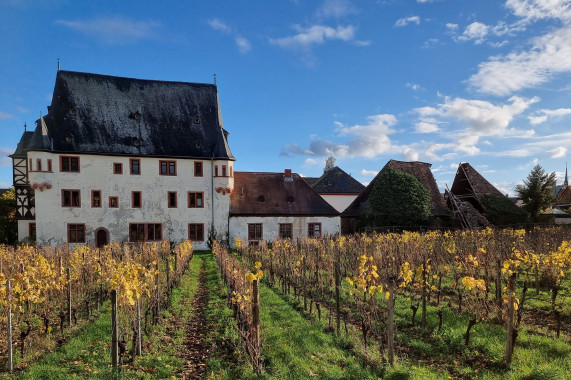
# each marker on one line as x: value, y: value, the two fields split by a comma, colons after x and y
x: 421, y: 170
x: 92, y: 113
x: 310, y: 180
x: 23, y: 144
x: 270, y: 194
x: 337, y: 181
x: 469, y: 183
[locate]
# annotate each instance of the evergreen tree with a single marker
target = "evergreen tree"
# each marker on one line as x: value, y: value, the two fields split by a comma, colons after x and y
x: 8, y: 223
x: 537, y: 191
x: 329, y: 164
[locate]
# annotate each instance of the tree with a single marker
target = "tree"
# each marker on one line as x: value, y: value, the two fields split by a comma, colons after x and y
x: 329, y: 164
x: 537, y: 191
x: 8, y: 222
x: 400, y: 199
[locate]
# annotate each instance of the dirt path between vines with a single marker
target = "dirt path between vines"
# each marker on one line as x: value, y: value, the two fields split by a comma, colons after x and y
x: 196, y: 350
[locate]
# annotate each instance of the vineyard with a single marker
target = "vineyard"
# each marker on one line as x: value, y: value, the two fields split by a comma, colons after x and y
x: 422, y: 305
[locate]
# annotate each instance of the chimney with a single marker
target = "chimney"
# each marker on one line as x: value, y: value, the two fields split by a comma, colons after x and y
x: 287, y: 175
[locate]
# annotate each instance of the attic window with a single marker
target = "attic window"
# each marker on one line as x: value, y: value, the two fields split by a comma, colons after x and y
x: 290, y: 199
x: 68, y: 138
x: 261, y: 198
x: 72, y: 111
x: 196, y: 120
x: 136, y: 143
x: 137, y: 115
x: 198, y: 144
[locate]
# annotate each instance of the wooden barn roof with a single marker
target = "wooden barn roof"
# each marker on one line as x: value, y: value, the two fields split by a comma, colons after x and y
x: 101, y: 114
x: 469, y: 183
x: 420, y: 170
x: 276, y: 194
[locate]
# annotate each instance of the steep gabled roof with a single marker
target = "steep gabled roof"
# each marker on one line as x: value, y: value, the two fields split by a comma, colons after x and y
x: 565, y: 197
x: 420, y: 170
x: 23, y: 144
x: 337, y: 181
x: 92, y: 113
x: 469, y: 183
x: 310, y: 180
x: 271, y: 194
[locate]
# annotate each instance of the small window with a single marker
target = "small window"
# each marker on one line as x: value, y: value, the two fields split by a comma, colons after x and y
x: 32, y: 231
x: 117, y: 168
x: 135, y: 164
x: 231, y: 172
x: 136, y: 143
x: 215, y: 170
x: 223, y: 170
x: 171, y: 199
x: 195, y: 200
x: 261, y: 198
x: 167, y: 167
x: 137, y: 115
x: 285, y: 231
x: 50, y: 166
x: 136, y: 199
x: 69, y: 164
x: 290, y: 199
x: 68, y: 138
x: 196, y: 120
x: 76, y: 233
x: 95, y: 198
x: 314, y: 230
x: 113, y: 202
x: 196, y: 232
x: 39, y: 164
x: 72, y: 110
x: 70, y: 198
x: 198, y: 168
x: 254, y: 231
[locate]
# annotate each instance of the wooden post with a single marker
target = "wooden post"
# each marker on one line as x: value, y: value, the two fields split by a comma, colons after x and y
x: 337, y: 298
x: 423, y: 317
x: 10, y: 355
x: 510, y: 326
x: 114, y: 332
x: 256, y: 314
x: 391, y: 323
x: 139, y: 348
x: 68, y: 274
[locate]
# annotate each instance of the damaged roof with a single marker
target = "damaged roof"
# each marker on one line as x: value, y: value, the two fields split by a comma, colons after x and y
x: 469, y: 183
x: 337, y: 181
x: 276, y: 194
x: 101, y: 114
x: 420, y: 170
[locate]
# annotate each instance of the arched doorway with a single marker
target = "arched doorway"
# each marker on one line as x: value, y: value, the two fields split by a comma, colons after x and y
x: 101, y: 237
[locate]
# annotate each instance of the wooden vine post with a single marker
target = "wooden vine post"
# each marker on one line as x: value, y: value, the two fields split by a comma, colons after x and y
x: 139, y: 348
x: 391, y: 323
x: 114, y: 332
x: 337, y: 298
x: 256, y: 320
x: 10, y: 355
x: 68, y: 275
x: 510, y: 323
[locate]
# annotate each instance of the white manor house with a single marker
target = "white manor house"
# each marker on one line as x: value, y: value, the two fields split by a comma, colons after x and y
x: 121, y: 159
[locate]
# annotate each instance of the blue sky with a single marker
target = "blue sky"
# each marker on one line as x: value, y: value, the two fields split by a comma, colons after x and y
x: 441, y: 81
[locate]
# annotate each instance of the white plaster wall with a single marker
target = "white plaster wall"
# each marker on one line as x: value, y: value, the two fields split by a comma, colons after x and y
x: 24, y: 229
x: 270, y: 226
x: 339, y: 201
x: 96, y: 173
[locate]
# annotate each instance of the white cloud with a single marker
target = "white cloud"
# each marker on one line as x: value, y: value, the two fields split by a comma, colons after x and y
x: 543, y: 114
x: 5, y: 115
x: 314, y: 35
x: 336, y: 9
x: 531, y: 10
x: 475, y: 31
x: 216, y: 24
x: 243, y: 44
x: 558, y: 152
x: 424, y: 127
x: 114, y: 30
x: 549, y: 55
x: 515, y: 153
x: 452, y: 27
x: 369, y: 173
x: 410, y: 155
x: 407, y: 20
x: 414, y: 86
x: 23, y: 110
x: 310, y: 161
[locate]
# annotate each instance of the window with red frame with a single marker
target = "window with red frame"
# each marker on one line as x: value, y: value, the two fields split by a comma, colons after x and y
x: 314, y: 230
x: 135, y: 165
x: 145, y: 232
x: 195, y: 200
x: 113, y: 202
x: 196, y: 232
x: 167, y: 167
x: 198, y: 169
x: 117, y: 168
x: 49, y: 165
x: 69, y: 164
x: 171, y: 198
x: 71, y: 198
x: 136, y: 199
x: 254, y: 231
x: 95, y: 198
x: 285, y: 231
